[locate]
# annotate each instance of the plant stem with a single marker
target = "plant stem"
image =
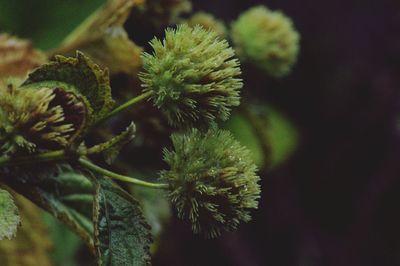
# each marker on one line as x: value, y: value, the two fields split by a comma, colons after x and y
x: 41, y: 157
x: 116, y: 176
x: 60, y: 155
x: 126, y: 105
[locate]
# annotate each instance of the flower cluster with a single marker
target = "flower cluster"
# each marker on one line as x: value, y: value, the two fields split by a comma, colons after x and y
x: 267, y: 39
x: 32, y: 119
x: 212, y: 181
x: 192, y: 75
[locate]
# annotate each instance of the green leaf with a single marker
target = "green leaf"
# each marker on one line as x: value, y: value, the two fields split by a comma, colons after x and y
x: 103, y: 38
x: 59, y: 190
x: 268, y: 133
x: 80, y: 75
x: 284, y: 137
x: 242, y: 130
x: 122, y: 236
x: 65, y: 243
x: 9, y: 217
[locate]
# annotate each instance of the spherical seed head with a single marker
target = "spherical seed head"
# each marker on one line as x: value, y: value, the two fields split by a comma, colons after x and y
x: 193, y: 76
x: 267, y: 39
x: 208, y: 22
x: 32, y: 119
x: 212, y: 181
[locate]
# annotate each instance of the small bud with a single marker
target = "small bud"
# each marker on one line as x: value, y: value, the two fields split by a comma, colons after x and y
x: 192, y: 75
x: 208, y: 22
x: 212, y: 181
x: 267, y: 39
x: 32, y: 119
x: 161, y: 13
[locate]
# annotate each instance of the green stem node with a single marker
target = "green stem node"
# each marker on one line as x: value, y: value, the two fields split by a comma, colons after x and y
x: 127, y: 104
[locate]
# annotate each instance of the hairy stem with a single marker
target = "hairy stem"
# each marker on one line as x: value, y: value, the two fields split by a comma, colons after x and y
x: 41, y: 157
x: 95, y: 168
x: 126, y: 105
x: 60, y: 155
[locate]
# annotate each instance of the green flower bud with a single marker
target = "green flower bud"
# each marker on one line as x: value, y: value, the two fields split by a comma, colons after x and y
x: 192, y: 75
x: 208, y: 22
x: 267, y: 39
x: 32, y: 119
x: 212, y: 181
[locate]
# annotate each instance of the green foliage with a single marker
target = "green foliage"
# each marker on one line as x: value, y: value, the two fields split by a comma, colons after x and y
x: 282, y: 134
x: 270, y: 135
x: 192, y: 75
x: 122, y: 235
x: 32, y: 119
x: 50, y: 22
x: 243, y: 131
x: 65, y: 243
x: 212, y: 181
x: 267, y: 39
x: 80, y: 75
x: 58, y: 189
x: 9, y: 217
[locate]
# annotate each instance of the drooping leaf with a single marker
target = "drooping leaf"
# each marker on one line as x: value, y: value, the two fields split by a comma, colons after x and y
x: 65, y: 244
x: 103, y: 38
x: 111, y: 148
x: 31, y: 246
x: 9, y: 217
x: 80, y: 75
x: 64, y: 192
x: 17, y: 56
x: 122, y: 236
x: 283, y: 135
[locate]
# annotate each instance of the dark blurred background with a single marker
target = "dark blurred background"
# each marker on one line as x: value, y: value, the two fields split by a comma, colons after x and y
x: 336, y: 200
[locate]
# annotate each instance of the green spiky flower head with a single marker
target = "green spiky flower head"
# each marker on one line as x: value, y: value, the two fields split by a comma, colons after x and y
x: 208, y: 22
x: 267, y: 39
x: 192, y: 75
x: 42, y: 118
x: 212, y: 181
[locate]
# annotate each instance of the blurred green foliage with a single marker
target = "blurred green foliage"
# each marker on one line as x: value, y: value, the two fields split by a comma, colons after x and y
x: 242, y: 130
x: 46, y: 22
x: 280, y: 133
x: 283, y: 136
x: 65, y: 242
